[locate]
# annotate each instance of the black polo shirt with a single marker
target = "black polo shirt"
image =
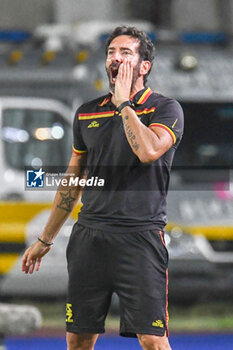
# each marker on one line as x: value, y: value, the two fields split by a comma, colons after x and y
x: 134, y: 194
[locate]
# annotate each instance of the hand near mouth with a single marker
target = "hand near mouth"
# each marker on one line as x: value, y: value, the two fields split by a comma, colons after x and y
x: 123, y: 82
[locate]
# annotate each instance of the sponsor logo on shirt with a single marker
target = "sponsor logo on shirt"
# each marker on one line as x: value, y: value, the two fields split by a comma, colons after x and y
x: 93, y: 124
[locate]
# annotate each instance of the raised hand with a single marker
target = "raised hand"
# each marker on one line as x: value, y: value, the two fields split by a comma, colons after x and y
x: 123, y: 82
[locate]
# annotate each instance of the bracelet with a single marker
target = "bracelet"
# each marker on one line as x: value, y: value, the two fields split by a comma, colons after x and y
x: 45, y: 243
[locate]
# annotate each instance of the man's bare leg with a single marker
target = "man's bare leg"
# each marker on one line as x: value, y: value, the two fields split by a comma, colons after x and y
x: 153, y: 342
x: 81, y: 341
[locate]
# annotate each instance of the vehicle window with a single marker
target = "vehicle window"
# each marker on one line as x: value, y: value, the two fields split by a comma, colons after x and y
x: 34, y: 138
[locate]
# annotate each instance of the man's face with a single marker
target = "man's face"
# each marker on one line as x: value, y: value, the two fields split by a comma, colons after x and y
x: 121, y: 48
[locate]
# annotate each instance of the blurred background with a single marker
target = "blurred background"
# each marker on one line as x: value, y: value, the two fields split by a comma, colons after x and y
x: 52, y: 60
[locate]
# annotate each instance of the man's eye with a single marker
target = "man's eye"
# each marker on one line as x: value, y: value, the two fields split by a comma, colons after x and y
x: 127, y: 53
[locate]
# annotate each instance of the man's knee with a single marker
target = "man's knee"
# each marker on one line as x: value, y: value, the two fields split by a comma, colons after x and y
x: 153, y: 342
x: 80, y: 341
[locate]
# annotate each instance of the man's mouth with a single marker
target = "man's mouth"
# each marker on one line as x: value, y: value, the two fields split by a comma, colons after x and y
x: 114, y: 73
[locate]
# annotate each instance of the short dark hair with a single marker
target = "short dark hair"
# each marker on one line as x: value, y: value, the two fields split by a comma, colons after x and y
x: 146, y: 48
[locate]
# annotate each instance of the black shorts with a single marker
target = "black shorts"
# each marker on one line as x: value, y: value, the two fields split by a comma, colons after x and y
x: 134, y: 265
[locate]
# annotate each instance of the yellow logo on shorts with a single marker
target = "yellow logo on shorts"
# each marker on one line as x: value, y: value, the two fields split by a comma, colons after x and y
x: 158, y: 323
x: 69, y: 313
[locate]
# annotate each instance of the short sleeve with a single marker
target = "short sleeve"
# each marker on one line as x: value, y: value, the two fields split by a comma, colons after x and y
x: 169, y: 116
x: 79, y: 146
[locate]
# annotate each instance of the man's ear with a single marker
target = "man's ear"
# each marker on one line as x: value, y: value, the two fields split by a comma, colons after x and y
x: 145, y: 67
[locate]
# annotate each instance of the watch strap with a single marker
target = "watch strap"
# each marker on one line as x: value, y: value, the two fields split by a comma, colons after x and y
x: 125, y: 104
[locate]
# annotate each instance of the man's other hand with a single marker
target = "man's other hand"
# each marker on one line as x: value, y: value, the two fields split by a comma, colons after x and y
x: 33, y: 256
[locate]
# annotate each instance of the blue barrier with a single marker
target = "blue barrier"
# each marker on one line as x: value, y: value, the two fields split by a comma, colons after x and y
x: 178, y: 342
x: 14, y: 36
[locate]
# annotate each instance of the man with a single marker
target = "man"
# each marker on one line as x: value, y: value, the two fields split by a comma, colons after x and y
x: 129, y: 136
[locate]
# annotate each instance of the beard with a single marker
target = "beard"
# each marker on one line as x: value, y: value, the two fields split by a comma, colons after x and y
x: 136, y: 75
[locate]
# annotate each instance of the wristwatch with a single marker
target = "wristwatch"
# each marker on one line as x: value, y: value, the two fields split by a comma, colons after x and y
x: 125, y: 104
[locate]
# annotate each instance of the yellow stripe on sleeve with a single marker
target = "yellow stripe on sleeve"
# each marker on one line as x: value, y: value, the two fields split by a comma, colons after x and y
x: 79, y: 152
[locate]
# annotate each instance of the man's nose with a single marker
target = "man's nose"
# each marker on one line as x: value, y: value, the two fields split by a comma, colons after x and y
x: 116, y: 57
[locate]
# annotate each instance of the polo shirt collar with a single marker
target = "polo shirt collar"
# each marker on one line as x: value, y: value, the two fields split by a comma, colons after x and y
x: 106, y: 100
x: 142, y: 96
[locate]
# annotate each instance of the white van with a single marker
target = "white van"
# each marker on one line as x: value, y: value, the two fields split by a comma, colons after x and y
x: 35, y: 133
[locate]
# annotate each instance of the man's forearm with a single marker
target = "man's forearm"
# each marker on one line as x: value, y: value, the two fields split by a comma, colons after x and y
x: 64, y: 202
x: 142, y: 140
x: 63, y: 205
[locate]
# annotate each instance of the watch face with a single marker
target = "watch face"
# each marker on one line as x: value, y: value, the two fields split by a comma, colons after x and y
x: 131, y: 104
